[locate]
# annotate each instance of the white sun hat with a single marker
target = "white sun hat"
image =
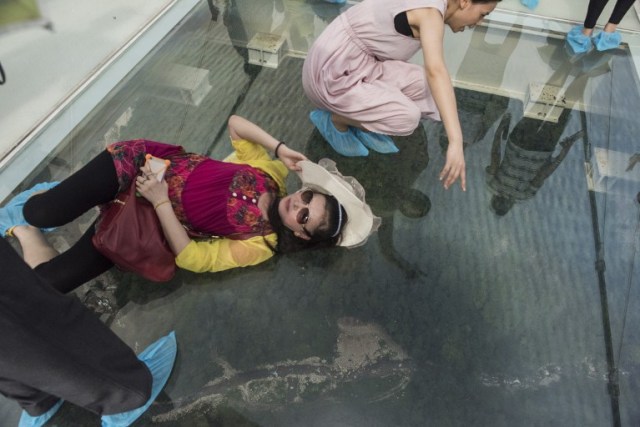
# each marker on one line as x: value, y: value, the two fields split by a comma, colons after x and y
x: 325, y: 178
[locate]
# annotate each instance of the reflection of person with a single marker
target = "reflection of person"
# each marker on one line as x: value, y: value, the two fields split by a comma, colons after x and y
x: 528, y: 154
x: 53, y: 349
x: 527, y: 161
x: 242, y: 200
x: 581, y: 37
x: 357, y: 73
x: 486, y: 61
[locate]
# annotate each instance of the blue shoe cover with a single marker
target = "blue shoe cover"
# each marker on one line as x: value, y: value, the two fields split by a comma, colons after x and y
x: 11, y: 214
x: 159, y: 358
x: 376, y: 141
x: 27, y: 420
x: 578, y: 42
x: 606, y: 41
x: 336, y: 1
x: 344, y: 143
x: 531, y: 4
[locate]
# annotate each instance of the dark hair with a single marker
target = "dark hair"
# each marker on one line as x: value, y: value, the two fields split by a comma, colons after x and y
x: 322, y: 238
x: 501, y: 204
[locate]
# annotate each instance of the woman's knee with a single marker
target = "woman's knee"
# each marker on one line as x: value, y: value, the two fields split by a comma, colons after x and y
x: 407, y: 122
x: 402, y: 120
x: 413, y: 120
x: 34, y: 212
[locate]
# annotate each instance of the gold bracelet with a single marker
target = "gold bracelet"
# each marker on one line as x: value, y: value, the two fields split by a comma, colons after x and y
x: 161, y: 203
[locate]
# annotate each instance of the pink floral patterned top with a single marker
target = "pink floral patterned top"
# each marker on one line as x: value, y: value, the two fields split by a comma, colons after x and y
x: 212, y: 197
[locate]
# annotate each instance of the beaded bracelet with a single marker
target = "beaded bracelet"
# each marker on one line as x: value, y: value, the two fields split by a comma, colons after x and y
x: 277, y: 147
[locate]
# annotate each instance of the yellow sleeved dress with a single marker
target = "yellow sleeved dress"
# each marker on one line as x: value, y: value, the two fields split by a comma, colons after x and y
x: 217, y: 254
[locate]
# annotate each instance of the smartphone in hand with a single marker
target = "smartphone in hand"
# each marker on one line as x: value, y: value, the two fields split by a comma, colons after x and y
x: 157, y: 165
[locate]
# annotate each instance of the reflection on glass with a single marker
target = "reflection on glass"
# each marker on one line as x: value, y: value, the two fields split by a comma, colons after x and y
x: 485, y: 61
x: 517, y: 173
x: 527, y: 160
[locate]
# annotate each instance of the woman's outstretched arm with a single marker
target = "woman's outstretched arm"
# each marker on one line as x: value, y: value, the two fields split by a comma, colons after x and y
x: 431, y: 28
x: 241, y: 128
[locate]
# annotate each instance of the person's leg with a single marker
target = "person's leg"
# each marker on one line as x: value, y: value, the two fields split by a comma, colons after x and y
x: 52, y: 348
x: 619, y: 10
x: 11, y: 214
x: 35, y: 247
x: 594, y: 10
x: 92, y: 185
x: 75, y: 266
x: 610, y: 38
x: 392, y: 104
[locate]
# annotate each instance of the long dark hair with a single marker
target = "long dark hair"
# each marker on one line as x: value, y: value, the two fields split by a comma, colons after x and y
x: 324, y: 237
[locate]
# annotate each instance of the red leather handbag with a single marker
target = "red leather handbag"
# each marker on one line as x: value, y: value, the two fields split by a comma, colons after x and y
x: 129, y: 233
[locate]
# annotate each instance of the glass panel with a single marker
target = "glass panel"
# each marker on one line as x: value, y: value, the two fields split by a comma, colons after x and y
x: 513, y: 303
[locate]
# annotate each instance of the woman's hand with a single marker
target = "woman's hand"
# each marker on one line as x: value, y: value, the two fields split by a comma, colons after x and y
x: 454, y: 167
x: 290, y: 157
x: 148, y: 186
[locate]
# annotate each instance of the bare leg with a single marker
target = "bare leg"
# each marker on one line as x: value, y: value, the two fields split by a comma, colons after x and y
x: 35, y: 248
x: 610, y: 28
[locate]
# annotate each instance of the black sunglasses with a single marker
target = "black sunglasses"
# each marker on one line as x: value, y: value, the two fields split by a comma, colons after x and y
x: 303, y: 214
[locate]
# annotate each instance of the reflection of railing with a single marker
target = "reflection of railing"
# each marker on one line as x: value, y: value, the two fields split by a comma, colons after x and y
x: 571, y: 14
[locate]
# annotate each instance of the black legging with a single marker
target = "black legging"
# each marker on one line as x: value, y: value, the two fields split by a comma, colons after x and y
x: 96, y: 183
x: 597, y: 6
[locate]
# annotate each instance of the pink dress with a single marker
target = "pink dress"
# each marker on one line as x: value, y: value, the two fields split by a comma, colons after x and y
x: 358, y: 68
x: 208, y: 196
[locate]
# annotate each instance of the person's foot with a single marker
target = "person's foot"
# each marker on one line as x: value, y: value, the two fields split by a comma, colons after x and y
x: 577, y: 41
x: 344, y: 143
x: 605, y: 40
x: 27, y: 420
x: 531, y: 4
x: 376, y: 141
x: 336, y: 1
x: 11, y: 214
x: 159, y: 358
